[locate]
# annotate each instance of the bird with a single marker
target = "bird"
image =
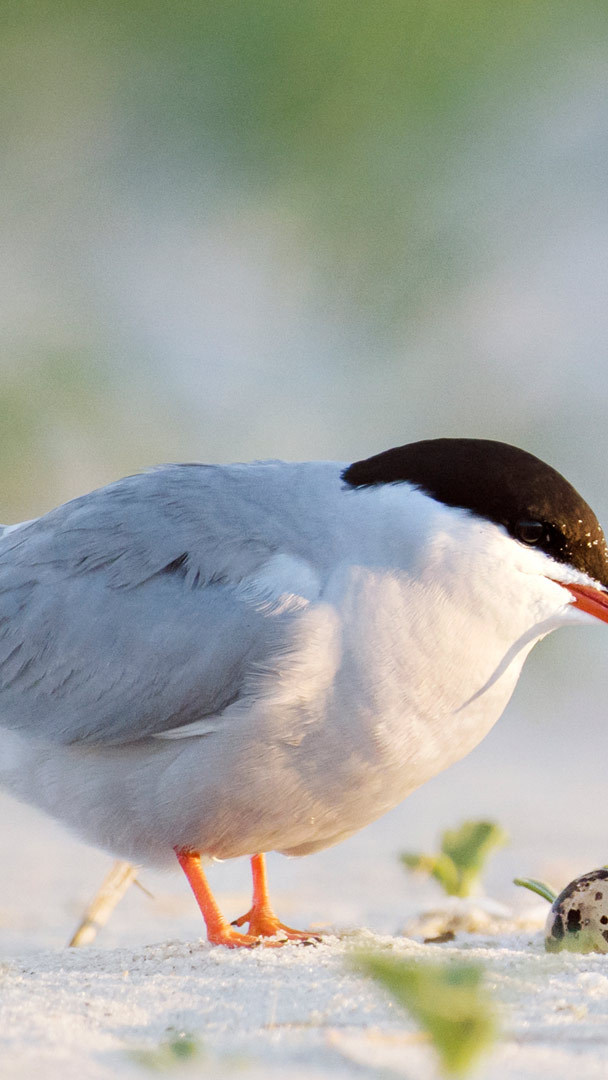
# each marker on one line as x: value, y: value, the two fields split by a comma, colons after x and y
x: 212, y: 661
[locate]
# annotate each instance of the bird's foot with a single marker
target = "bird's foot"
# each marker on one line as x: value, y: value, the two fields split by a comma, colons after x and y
x: 232, y: 939
x: 218, y: 930
x: 263, y: 923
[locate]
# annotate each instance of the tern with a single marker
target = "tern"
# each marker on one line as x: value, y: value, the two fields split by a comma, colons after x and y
x: 215, y: 661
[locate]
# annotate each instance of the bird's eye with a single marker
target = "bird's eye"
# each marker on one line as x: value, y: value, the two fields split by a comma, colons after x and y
x: 529, y: 532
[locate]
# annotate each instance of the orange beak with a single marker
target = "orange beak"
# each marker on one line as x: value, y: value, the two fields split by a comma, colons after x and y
x: 593, y: 601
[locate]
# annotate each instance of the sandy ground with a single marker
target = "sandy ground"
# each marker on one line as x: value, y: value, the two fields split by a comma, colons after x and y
x: 287, y: 1013
x: 300, y: 1011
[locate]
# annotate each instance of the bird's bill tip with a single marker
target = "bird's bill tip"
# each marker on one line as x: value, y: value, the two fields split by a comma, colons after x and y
x: 593, y: 601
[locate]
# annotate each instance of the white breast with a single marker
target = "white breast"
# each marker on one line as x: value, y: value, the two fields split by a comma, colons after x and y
x: 405, y: 630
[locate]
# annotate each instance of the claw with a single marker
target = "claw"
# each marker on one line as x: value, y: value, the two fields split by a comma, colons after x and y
x: 233, y: 940
x: 264, y: 923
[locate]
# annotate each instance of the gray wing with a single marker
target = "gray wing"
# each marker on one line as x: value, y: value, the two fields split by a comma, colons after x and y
x: 122, y: 613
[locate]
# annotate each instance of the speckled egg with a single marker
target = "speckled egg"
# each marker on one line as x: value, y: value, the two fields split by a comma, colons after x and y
x: 578, y: 920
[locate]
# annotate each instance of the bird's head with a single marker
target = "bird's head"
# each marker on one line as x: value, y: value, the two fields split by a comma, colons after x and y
x: 518, y: 513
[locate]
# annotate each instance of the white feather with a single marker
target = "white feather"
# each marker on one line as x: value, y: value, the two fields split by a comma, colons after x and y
x: 358, y: 642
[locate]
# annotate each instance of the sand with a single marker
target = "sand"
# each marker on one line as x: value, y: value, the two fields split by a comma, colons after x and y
x: 111, y: 1009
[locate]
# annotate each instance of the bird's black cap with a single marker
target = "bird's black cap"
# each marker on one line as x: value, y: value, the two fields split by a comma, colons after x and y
x: 502, y: 484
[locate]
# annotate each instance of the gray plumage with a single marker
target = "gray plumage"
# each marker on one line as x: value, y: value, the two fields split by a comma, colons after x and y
x: 122, y: 613
x: 238, y: 659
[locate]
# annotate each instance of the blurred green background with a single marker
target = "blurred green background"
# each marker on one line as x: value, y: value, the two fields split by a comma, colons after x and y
x: 312, y: 229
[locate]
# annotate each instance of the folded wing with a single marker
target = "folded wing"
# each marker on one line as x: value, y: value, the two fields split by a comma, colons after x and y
x: 134, y: 610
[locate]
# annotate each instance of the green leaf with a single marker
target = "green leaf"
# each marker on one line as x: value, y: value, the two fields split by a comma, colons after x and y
x: 469, y: 847
x: 447, y: 1001
x: 537, y: 887
x: 419, y: 863
x: 463, y: 854
x: 182, y: 1047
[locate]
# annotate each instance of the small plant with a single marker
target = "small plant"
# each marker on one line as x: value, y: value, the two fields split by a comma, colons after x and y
x: 462, y: 856
x: 538, y: 887
x: 174, y: 1051
x: 448, y: 1001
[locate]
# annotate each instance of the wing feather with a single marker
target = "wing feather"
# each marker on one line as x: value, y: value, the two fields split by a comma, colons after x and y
x: 134, y: 610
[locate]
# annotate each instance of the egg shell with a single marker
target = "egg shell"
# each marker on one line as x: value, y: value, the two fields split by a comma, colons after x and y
x: 578, y: 919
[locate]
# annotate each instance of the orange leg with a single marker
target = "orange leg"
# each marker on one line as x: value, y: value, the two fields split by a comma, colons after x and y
x: 261, y: 918
x: 219, y: 932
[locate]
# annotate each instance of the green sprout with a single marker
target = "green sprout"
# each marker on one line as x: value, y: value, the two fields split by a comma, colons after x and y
x: 448, y: 1002
x: 175, y: 1051
x: 538, y: 887
x: 462, y: 857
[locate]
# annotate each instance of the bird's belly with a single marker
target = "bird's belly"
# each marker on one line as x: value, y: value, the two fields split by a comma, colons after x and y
x: 234, y: 793
x: 377, y: 747
x: 311, y: 761
x: 388, y: 766
x: 341, y: 772
x: 410, y: 699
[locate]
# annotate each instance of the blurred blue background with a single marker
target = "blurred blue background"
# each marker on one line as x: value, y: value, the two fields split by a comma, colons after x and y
x: 242, y: 230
